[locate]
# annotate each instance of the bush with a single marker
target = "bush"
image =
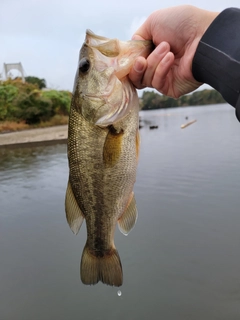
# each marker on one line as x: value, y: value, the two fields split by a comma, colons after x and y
x: 33, y: 108
x: 7, y: 95
x: 26, y: 102
x: 22, y: 86
x: 60, y: 101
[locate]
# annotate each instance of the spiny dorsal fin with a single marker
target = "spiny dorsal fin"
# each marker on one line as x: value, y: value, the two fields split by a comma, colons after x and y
x: 129, y: 217
x: 73, y: 213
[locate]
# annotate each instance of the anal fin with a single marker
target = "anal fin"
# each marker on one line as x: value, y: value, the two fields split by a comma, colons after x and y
x: 73, y: 212
x: 128, y: 219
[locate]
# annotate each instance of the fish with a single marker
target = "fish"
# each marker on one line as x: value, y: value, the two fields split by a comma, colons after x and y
x: 103, y: 150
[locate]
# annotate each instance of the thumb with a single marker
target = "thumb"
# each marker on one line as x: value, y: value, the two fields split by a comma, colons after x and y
x: 137, y: 37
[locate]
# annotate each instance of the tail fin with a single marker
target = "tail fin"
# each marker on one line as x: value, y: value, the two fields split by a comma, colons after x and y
x: 107, y: 268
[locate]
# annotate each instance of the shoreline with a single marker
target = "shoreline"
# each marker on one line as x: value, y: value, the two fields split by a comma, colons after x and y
x: 38, y: 136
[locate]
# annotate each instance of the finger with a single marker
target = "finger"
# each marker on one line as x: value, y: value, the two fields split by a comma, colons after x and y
x: 144, y: 31
x: 161, y: 76
x: 153, y: 61
x: 137, y: 72
x: 137, y: 37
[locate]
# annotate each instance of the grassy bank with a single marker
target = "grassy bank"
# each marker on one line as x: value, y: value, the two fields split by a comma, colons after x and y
x: 12, y: 126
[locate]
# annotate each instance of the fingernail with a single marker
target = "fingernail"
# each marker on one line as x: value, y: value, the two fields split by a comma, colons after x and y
x: 161, y: 48
x: 138, y: 66
x: 166, y: 59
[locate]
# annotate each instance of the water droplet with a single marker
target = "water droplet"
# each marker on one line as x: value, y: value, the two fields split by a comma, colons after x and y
x: 119, y: 293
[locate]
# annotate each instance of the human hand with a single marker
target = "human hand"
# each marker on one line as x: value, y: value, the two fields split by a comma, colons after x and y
x: 175, y: 32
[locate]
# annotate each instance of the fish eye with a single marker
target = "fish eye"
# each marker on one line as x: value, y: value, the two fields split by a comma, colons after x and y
x: 84, y: 65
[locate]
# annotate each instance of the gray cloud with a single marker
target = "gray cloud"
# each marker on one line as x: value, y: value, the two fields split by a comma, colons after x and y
x: 46, y: 35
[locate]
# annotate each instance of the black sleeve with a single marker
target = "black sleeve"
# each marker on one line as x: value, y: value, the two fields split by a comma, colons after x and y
x: 217, y: 58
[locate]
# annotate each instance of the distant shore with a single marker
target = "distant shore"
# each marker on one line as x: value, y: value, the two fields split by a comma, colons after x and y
x: 40, y: 136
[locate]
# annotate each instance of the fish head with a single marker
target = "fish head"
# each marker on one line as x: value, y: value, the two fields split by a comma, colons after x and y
x: 102, y: 91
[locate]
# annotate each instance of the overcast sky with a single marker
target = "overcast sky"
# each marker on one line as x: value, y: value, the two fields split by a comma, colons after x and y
x: 46, y: 35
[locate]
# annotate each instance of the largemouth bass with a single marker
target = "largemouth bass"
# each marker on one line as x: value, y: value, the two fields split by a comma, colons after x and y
x: 103, y: 147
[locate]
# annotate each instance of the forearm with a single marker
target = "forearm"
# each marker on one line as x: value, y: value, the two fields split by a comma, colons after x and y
x: 217, y: 58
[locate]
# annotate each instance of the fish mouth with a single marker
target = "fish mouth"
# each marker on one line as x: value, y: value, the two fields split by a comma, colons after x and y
x: 115, y: 54
x: 114, y: 59
x: 93, y: 35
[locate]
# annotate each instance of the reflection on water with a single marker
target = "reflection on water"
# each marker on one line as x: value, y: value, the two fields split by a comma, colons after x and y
x: 27, y: 171
x: 181, y: 261
x: 28, y: 160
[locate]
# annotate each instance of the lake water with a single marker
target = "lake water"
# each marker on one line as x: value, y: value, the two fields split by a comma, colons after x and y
x: 180, y: 262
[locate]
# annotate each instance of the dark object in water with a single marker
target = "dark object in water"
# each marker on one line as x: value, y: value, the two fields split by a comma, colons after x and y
x: 153, y: 127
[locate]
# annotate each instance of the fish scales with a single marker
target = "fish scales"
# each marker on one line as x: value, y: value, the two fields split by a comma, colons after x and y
x: 103, y: 143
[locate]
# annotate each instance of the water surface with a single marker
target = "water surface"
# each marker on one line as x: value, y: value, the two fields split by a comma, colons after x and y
x: 180, y: 262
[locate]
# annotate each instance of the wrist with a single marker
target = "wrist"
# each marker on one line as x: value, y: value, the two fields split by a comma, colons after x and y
x: 217, y: 57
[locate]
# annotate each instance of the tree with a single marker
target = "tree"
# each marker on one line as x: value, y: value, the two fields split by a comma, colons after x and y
x: 61, y: 101
x: 153, y: 100
x: 41, y: 83
x: 33, y: 108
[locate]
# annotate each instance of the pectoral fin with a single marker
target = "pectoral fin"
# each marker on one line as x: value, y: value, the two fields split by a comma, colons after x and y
x: 73, y: 213
x: 112, y: 147
x: 129, y: 217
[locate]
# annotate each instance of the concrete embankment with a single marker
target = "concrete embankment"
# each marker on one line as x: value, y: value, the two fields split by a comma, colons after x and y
x: 41, y: 136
